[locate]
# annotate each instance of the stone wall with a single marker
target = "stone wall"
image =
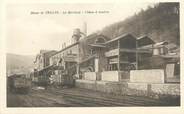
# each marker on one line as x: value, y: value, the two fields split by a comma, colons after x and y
x: 171, y: 89
x: 101, y: 86
x: 138, y: 86
x: 153, y: 90
x: 127, y: 88
x: 86, y: 84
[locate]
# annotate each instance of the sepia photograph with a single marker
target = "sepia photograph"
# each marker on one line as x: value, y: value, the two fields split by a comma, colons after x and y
x: 93, y: 55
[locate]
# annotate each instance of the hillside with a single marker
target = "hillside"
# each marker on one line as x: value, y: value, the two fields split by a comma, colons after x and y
x: 160, y: 23
x: 19, y: 63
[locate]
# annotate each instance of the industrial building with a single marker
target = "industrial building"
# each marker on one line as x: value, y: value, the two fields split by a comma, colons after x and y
x: 97, y: 57
x: 125, y: 65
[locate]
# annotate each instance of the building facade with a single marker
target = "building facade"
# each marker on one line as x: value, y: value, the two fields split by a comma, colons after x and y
x: 41, y: 70
x: 97, y: 57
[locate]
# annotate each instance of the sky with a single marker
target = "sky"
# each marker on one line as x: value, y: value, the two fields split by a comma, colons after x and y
x: 27, y: 34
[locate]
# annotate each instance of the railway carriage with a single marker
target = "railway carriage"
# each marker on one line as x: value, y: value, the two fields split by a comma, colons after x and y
x: 18, y: 83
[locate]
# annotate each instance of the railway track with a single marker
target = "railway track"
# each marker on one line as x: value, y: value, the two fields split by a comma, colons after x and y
x: 86, y: 99
x: 75, y: 97
x: 68, y: 100
x: 106, y: 100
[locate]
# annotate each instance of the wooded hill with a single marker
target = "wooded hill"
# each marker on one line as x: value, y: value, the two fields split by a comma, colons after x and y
x: 160, y: 22
x: 19, y: 63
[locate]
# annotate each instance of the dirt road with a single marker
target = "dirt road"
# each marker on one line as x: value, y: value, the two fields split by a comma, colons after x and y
x: 75, y: 97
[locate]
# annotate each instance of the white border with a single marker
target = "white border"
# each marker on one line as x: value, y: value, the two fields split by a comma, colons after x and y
x: 110, y: 110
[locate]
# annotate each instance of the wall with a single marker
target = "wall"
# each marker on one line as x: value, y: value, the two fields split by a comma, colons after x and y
x: 47, y: 56
x: 42, y: 59
x: 135, y: 89
x: 171, y: 89
x: 55, y: 58
x: 110, y: 76
x: 115, y: 76
x: 147, y: 76
x: 138, y: 89
x: 90, y: 76
x: 86, y: 84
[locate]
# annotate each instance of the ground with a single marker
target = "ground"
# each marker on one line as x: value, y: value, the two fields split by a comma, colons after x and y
x: 75, y: 97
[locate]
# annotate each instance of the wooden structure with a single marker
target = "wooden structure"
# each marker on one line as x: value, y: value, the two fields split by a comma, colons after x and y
x: 123, y: 52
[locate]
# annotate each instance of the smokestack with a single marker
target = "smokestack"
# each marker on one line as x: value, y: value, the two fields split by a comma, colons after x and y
x: 85, y: 28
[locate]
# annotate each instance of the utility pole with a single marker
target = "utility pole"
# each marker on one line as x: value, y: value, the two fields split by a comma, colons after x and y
x: 136, y: 56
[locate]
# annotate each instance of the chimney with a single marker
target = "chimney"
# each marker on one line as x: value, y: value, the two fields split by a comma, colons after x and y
x: 84, y: 28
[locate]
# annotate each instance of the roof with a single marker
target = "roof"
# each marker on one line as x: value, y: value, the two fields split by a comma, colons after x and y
x: 66, y: 48
x: 177, y: 56
x: 177, y: 50
x: 144, y: 40
x: 161, y: 43
x: 90, y: 39
x: 50, y: 67
x: 172, y: 46
x: 119, y: 37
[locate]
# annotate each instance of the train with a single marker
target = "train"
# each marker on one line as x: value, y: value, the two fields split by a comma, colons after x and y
x: 18, y: 83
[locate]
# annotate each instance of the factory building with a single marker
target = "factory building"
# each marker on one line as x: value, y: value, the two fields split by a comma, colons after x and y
x: 97, y: 57
x: 112, y: 60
